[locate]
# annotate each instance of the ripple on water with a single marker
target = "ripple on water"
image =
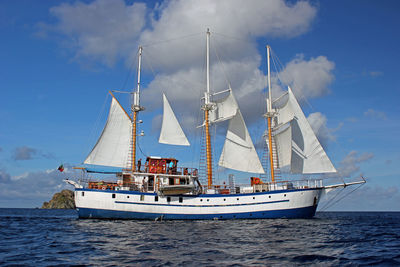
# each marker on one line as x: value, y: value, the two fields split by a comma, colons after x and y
x: 48, y: 237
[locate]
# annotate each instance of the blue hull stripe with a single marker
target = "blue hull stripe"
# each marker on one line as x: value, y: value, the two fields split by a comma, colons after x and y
x: 201, y: 195
x: 307, y: 212
x: 224, y: 205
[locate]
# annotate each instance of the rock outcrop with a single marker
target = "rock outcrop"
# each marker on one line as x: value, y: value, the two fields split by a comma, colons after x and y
x: 61, y: 200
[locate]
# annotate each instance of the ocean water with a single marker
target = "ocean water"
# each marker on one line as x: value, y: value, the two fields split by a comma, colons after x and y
x: 37, y: 237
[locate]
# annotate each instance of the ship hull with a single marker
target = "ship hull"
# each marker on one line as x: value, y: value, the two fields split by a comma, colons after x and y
x: 108, y: 204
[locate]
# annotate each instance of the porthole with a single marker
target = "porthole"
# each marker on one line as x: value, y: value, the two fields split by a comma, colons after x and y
x: 269, y: 196
x: 168, y: 199
x: 254, y: 197
x: 208, y: 200
x: 83, y: 194
x: 224, y: 199
x: 113, y: 195
x: 201, y: 200
x: 156, y: 198
x: 237, y: 199
x: 284, y: 195
x: 127, y: 196
x: 180, y: 199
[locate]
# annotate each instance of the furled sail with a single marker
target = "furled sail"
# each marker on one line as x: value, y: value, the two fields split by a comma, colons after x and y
x: 297, y: 143
x: 224, y: 109
x: 171, y: 131
x: 112, y: 148
x: 239, y: 152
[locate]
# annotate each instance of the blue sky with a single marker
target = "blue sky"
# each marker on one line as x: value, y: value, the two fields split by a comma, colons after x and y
x: 59, y: 59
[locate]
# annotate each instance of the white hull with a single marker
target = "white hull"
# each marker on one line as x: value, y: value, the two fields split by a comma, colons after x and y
x: 109, y: 204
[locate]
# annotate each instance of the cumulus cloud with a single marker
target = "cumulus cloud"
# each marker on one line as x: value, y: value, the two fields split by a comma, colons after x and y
x: 105, y: 32
x: 350, y: 165
x: 24, y: 153
x: 318, y: 123
x: 32, y: 188
x: 311, y: 78
x: 102, y: 31
x: 375, y: 114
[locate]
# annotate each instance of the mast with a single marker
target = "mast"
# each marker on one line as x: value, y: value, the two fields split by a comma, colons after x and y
x: 269, y: 116
x: 135, y: 110
x: 207, y: 107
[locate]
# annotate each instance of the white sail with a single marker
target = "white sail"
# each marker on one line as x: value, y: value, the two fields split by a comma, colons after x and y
x: 282, y: 138
x: 112, y: 148
x: 306, y: 153
x: 224, y: 109
x: 171, y: 131
x: 239, y: 152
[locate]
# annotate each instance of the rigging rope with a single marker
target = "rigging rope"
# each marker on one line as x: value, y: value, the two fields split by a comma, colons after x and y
x: 326, y: 206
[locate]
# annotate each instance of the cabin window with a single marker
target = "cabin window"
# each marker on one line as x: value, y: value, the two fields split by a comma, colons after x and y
x: 141, y: 197
x: 224, y: 199
x: 168, y: 199
x: 208, y: 200
x: 284, y: 195
x: 127, y: 196
x: 237, y: 199
x: 201, y: 200
x: 113, y: 195
x: 254, y: 197
x: 180, y: 199
x: 269, y: 196
x: 156, y: 198
x: 83, y: 194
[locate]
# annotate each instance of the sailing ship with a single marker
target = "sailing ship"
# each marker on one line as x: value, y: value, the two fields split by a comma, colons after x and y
x: 161, y: 189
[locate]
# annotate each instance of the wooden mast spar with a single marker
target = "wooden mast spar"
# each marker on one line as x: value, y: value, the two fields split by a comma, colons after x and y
x: 207, y: 107
x: 269, y: 116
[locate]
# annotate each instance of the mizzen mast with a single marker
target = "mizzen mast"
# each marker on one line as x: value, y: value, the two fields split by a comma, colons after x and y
x: 207, y: 107
x: 269, y: 116
x: 135, y: 107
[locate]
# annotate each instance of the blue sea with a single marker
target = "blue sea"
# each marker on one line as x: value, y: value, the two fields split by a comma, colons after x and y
x: 37, y: 237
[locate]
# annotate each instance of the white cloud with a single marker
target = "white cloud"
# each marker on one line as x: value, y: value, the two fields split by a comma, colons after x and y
x: 308, y: 78
x: 350, y: 165
x: 24, y: 153
x: 375, y: 114
x: 32, y: 188
x: 318, y: 122
x: 102, y: 31
x: 241, y: 19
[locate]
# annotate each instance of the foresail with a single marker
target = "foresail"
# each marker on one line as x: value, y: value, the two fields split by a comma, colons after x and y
x: 112, y: 148
x: 307, y: 155
x: 171, y: 131
x: 239, y: 152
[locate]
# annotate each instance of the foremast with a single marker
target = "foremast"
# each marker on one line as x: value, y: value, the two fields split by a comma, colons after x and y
x: 269, y: 115
x: 207, y: 107
x: 136, y: 108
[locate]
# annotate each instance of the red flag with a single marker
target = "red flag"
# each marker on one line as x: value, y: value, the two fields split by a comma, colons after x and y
x: 61, y: 168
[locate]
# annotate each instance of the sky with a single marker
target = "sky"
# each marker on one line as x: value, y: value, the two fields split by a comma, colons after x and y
x: 59, y: 59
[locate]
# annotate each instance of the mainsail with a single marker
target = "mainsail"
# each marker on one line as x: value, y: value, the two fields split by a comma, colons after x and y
x: 171, y: 131
x: 112, y: 148
x: 296, y: 142
x: 238, y: 152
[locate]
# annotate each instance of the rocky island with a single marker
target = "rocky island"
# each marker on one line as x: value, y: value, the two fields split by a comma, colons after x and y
x: 61, y: 200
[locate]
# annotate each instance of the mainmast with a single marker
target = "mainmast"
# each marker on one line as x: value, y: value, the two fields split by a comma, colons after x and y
x: 207, y: 107
x: 135, y: 110
x: 269, y: 116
